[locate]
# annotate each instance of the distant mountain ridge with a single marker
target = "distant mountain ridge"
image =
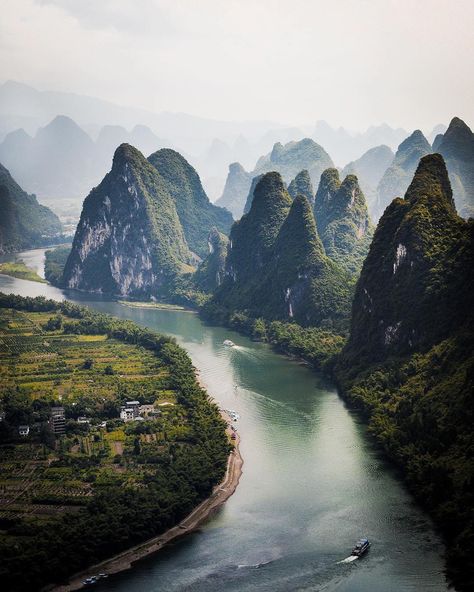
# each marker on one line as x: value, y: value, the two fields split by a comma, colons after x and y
x: 61, y: 160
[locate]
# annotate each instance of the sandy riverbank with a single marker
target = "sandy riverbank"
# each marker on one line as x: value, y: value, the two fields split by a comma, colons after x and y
x: 200, y: 514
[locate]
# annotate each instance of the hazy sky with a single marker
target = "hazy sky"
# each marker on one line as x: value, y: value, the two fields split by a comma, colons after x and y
x: 351, y: 62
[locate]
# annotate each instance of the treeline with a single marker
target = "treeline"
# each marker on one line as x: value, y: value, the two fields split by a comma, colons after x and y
x: 119, y: 517
x: 314, y: 345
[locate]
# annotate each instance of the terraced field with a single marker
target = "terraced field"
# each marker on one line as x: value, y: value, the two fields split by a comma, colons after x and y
x: 44, y: 363
x: 87, y: 485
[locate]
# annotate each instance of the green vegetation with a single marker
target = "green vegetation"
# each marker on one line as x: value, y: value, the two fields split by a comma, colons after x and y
x: 196, y: 213
x: 301, y: 184
x: 210, y: 274
x: 408, y: 363
x: 19, y: 269
x: 397, y: 177
x: 291, y: 158
x: 457, y: 148
x: 343, y: 220
x: 369, y: 169
x: 104, y: 485
x: 276, y: 267
x: 55, y: 262
x: 24, y: 223
x: 129, y: 239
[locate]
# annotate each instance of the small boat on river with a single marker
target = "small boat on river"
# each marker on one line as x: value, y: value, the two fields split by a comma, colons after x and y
x: 361, y: 547
x: 229, y: 343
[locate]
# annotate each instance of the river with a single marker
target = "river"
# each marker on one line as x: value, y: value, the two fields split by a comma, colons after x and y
x: 312, y: 481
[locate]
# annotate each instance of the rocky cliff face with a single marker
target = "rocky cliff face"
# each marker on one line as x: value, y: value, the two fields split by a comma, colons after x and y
x: 129, y: 240
x: 196, y: 213
x: 410, y: 292
x: 409, y: 360
x: 276, y: 266
x: 253, y: 237
x: 211, y: 272
x: 457, y: 148
x: 301, y: 184
x: 249, y: 200
x: 398, y: 176
x: 24, y: 223
x: 343, y: 220
x: 301, y: 283
x: 369, y: 169
x: 236, y: 190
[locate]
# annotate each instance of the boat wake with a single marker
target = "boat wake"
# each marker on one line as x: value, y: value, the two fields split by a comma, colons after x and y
x: 349, y: 559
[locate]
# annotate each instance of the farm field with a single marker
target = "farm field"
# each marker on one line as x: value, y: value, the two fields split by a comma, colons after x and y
x: 52, y: 360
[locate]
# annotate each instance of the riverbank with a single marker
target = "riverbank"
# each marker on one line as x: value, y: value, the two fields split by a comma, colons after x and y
x: 126, y: 560
x: 19, y: 270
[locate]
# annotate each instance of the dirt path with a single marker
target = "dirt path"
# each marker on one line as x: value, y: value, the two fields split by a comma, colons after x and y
x: 125, y: 560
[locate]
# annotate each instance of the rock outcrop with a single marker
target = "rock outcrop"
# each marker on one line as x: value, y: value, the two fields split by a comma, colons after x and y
x: 410, y: 292
x: 343, y: 220
x: 129, y: 240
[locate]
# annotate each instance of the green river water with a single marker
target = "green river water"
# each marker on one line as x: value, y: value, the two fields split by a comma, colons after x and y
x: 312, y: 481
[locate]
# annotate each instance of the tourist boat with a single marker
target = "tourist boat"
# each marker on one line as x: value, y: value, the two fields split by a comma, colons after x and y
x: 361, y: 547
x: 229, y: 343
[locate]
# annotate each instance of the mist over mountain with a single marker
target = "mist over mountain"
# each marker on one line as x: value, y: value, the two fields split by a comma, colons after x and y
x: 397, y: 177
x: 24, y: 223
x: 344, y: 146
x: 369, y: 169
x: 457, y: 147
x: 236, y: 187
x: 62, y: 161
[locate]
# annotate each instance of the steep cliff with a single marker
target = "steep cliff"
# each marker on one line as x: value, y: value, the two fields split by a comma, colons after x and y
x: 301, y: 284
x: 409, y: 360
x: 457, y: 148
x: 196, y: 213
x: 24, y: 223
x: 249, y: 200
x: 129, y: 239
x: 211, y: 272
x: 398, y: 176
x: 409, y: 292
x: 276, y: 267
x: 343, y: 220
x: 236, y: 190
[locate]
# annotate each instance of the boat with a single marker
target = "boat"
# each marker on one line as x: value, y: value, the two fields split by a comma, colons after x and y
x: 229, y: 343
x: 361, y: 547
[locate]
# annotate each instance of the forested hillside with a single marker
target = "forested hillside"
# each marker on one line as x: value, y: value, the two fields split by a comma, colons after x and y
x: 408, y: 362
